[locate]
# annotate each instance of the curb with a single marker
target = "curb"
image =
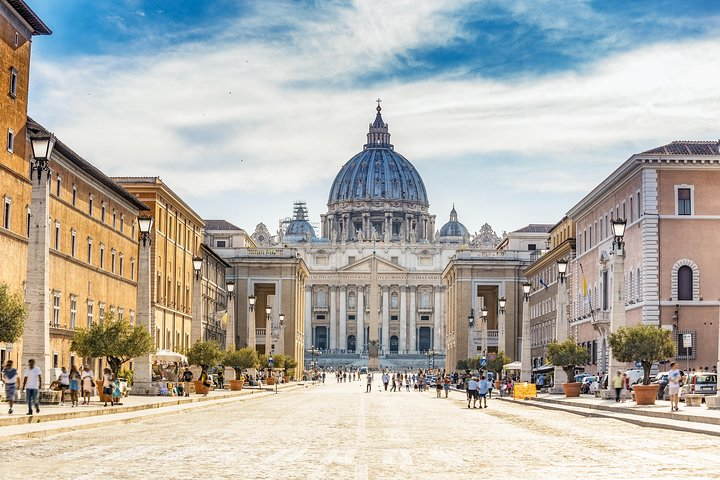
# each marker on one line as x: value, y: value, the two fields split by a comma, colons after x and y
x: 629, y: 417
x: 80, y: 414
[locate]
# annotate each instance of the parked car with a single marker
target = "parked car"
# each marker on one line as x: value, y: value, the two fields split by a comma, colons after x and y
x: 579, y: 377
x: 430, y: 380
x: 700, y: 383
x: 586, y: 382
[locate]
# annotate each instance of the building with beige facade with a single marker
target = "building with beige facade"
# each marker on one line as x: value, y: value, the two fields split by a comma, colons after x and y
x: 668, y: 195
x: 81, y: 261
x: 175, y: 241
x: 18, y: 25
x: 210, y: 315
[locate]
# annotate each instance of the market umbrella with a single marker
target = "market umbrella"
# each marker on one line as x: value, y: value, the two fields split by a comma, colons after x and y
x: 169, y: 356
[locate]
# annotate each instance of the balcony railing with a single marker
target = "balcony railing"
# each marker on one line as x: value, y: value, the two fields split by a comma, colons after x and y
x: 260, y: 332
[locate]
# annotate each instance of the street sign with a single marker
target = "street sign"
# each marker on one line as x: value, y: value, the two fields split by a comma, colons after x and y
x: 687, y: 340
x: 491, y: 357
x: 9, y: 347
x: 638, y: 364
x: 271, y: 361
x: 483, y: 362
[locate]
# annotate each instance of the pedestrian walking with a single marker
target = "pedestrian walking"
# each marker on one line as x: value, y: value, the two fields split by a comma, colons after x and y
x: 626, y: 388
x: 368, y: 388
x: 64, y: 384
x: 438, y: 387
x: 88, y: 384
x: 107, y: 386
x: 394, y: 384
x: 407, y: 383
x: 32, y: 382
x: 483, y: 388
x: 385, y: 380
x: 221, y: 378
x: 74, y: 385
x: 187, y: 377
x: 674, y: 377
x: 472, y: 391
x: 446, y: 384
x: 618, y: 383
x: 9, y: 378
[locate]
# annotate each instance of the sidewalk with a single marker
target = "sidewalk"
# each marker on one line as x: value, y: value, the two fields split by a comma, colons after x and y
x: 690, y: 419
x: 55, y: 419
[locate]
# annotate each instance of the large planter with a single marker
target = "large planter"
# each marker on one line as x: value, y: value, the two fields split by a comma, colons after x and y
x: 270, y: 381
x: 286, y: 378
x: 572, y: 389
x: 236, y: 384
x: 200, y: 388
x: 646, y: 394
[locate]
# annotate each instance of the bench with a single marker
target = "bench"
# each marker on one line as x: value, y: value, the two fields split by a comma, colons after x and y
x: 693, y: 400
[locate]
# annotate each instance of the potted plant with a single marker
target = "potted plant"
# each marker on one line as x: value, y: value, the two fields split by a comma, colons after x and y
x: 238, y: 360
x: 290, y: 365
x: 496, y: 366
x: 264, y: 362
x: 647, y: 344
x: 203, y: 354
x: 567, y: 355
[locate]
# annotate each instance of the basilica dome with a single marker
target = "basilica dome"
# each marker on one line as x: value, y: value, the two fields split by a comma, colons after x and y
x: 378, y: 195
x: 378, y: 172
x: 299, y: 229
x: 453, y: 231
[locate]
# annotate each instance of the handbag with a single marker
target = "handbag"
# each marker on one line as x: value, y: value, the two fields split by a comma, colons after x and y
x: 92, y: 383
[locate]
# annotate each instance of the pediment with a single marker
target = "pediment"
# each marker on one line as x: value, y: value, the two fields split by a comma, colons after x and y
x: 364, y: 266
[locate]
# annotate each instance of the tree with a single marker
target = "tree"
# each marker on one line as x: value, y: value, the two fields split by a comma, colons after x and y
x: 13, y: 313
x: 461, y: 365
x: 204, y: 353
x: 290, y: 365
x: 116, y: 340
x: 567, y: 355
x: 644, y: 343
x: 240, y: 359
x: 497, y: 365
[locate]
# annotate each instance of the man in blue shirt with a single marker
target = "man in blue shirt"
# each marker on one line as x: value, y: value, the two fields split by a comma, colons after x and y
x: 483, y: 387
x: 472, y: 391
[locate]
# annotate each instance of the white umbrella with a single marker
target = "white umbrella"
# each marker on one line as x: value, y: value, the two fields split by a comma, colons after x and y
x: 169, y: 356
x: 513, y: 366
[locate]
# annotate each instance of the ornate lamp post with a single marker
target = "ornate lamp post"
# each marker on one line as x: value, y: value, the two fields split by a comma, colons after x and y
x: 230, y: 332
x: 268, y: 329
x: 197, y: 266
x: 145, y: 225
x: 525, y: 370
x: 200, y: 321
x: 142, y: 365
x: 501, y: 324
x: 617, y: 320
x: 561, y: 322
x: 484, y: 320
x: 42, y: 148
x: 251, y: 302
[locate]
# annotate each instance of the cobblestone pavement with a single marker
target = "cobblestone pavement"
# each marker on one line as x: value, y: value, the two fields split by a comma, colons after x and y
x: 337, y: 431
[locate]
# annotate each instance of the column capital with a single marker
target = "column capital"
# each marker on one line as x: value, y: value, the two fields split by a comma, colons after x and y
x: 404, y: 288
x: 308, y: 288
x: 342, y: 288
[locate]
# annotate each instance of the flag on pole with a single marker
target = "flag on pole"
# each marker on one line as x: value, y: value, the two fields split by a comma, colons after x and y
x: 225, y: 319
x: 584, y: 284
x: 543, y: 284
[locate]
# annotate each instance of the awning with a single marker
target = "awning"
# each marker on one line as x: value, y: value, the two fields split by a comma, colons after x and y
x: 544, y: 369
x: 169, y: 356
x: 513, y: 366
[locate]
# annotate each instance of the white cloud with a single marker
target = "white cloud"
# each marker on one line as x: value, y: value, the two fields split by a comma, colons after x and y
x: 241, y: 119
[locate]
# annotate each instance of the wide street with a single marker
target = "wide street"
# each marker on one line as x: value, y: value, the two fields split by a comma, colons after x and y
x: 338, y: 431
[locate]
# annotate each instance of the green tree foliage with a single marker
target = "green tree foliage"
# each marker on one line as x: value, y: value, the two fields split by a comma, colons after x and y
x: 644, y: 343
x: 204, y: 353
x: 497, y: 364
x: 240, y: 359
x: 13, y: 313
x: 567, y: 355
x: 116, y: 340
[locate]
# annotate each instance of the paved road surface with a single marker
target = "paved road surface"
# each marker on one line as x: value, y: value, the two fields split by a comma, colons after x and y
x: 337, y: 431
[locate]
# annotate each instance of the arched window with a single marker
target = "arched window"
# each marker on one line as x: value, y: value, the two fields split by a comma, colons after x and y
x: 631, y: 284
x: 394, y: 300
x: 352, y: 300
x: 637, y: 279
x: 685, y: 283
x: 322, y: 298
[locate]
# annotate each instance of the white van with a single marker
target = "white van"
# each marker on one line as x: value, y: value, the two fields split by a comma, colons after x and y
x: 636, y: 374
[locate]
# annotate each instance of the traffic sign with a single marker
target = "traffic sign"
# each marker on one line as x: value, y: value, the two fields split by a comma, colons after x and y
x: 491, y: 357
x: 638, y: 364
x: 687, y: 340
x: 483, y: 362
x: 271, y: 361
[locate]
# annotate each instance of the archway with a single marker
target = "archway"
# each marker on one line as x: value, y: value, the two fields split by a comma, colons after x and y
x: 351, y: 344
x: 394, y: 344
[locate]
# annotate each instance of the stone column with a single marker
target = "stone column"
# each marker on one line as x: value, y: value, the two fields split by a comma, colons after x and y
x: 230, y: 340
x: 501, y: 330
x: 367, y: 234
x: 526, y: 367
x: 333, y: 318
x: 199, y: 327
x: 36, y: 333
x: 145, y: 316
x: 402, y: 340
x: 360, y: 317
x: 441, y: 312
x: 617, y: 320
x: 437, y: 319
x: 307, y: 321
x: 342, y: 331
x: 412, y: 347
x: 385, y: 319
x: 561, y: 332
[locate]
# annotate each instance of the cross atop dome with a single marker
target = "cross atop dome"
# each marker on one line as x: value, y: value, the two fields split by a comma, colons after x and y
x: 378, y: 136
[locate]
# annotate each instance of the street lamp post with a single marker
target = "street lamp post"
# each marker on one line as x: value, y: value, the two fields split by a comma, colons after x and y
x: 501, y: 324
x: 484, y: 319
x: 230, y: 332
x: 268, y: 329
x: 142, y: 366
x: 617, y: 320
x: 42, y: 147
x: 471, y: 332
x: 525, y: 369
x: 561, y: 323
x: 431, y: 357
x: 200, y: 325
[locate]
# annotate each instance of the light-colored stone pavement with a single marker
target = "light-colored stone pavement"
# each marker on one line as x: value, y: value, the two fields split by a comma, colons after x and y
x: 337, y: 431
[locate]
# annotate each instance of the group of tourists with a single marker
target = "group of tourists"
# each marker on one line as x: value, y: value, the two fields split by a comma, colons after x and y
x: 73, y: 383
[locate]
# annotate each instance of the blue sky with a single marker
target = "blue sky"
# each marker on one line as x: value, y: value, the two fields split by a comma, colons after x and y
x: 511, y: 110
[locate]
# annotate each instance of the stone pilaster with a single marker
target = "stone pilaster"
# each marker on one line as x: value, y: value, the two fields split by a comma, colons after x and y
x: 402, y: 338
x: 307, y: 321
x: 412, y: 347
x: 385, y: 319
